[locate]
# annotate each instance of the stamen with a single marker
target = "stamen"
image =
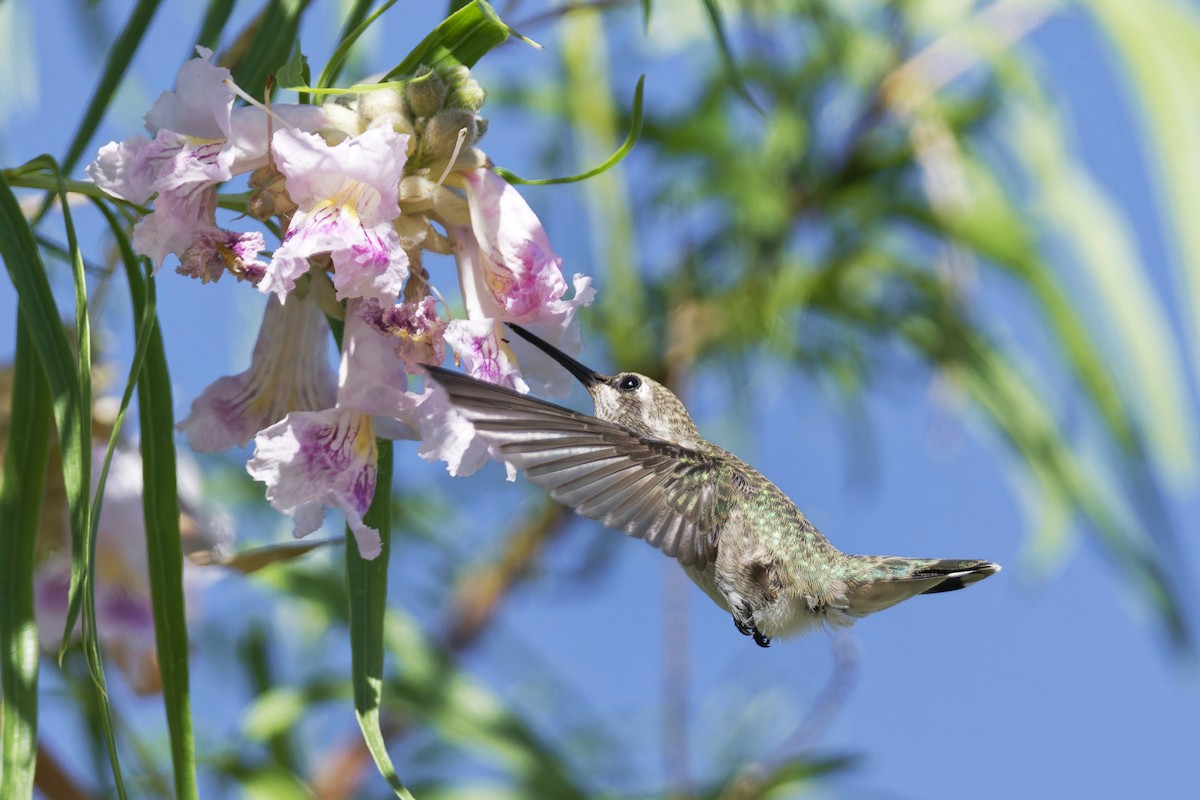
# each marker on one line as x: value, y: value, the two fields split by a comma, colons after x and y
x: 233, y: 87
x: 462, y: 136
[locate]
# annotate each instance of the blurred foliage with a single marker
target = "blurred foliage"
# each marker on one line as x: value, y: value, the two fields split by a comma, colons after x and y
x: 835, y: 189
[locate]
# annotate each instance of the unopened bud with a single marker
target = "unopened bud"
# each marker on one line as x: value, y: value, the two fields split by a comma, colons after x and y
x: 426, y: 94
x: 464, y: 91
x: 441, y: 132
x: 378, y: 103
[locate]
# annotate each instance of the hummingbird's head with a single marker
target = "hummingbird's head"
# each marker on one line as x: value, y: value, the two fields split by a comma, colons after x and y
x: 627, y: 399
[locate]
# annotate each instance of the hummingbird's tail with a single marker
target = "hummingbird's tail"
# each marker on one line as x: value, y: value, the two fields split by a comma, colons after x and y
x: 882, y: 581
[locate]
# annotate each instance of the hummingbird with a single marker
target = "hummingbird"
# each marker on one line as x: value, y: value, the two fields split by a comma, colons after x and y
x: 640, y: 466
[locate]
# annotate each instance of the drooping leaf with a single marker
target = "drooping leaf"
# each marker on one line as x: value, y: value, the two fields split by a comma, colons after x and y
x: 462, y: 38
x: 635, y: 131
x: 21, y: 484
x: 366, y: 581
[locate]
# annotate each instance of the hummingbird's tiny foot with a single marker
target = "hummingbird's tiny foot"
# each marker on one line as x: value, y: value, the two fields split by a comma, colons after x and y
x: 759, y: 639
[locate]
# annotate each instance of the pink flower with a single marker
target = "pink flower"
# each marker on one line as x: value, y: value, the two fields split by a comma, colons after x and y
x: 514, y: 266
x: 347, y: 198
x: 314, y: 459
x: 417, y: 332
x: 288, y: 372
x: 508, y: 271
x: 200, y: 140
x: 311, y: 461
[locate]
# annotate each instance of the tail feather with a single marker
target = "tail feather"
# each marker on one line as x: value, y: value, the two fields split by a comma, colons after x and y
x: 884, y: 581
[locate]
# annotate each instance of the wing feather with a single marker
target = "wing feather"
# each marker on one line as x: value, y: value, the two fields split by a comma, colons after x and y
x: 655, y: 490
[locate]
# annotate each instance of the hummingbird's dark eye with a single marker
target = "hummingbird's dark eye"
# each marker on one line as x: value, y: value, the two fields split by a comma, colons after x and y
x: 629, y: 383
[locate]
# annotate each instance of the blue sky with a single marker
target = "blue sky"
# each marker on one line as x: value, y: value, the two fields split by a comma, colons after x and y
x: 1024, y: 685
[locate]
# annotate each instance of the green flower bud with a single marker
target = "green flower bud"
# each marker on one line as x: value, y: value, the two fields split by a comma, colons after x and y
x: 464, y: 91
x: 426, y: 94
x: 441, y: 132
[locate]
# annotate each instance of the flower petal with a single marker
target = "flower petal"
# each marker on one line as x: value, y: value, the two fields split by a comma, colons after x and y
x: 288, y: 372
x: 314, y: 460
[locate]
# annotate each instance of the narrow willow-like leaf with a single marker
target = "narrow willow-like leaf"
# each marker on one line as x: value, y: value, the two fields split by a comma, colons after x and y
x: 76, y: 455
x: 1015, y: 410
x: 119, y: 57
x: 142, y: 339
x: 21, y: 486
x: 635, y: 132
x: 264, y: 45
x: 366, y: 582
x: 72, y: 418
x: 593, y: 116
x: 164, y: 550
x: 1145, y: 349
x: 354, y: 28
x: 216, y: 17
x: 462, y: 38
x: 1159, y: 42
x: 716, y: 19
x: 428, y: 685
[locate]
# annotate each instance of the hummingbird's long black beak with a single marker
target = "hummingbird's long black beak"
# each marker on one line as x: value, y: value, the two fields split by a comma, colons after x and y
x: 588, y: 377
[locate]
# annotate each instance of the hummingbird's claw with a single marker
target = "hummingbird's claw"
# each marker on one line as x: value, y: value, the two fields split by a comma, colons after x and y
x: 747, y: 628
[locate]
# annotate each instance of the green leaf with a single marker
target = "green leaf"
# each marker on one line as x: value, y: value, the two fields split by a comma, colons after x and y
x: 295, y: 71
x: 216, y: 17
x: 21, y: 487
x: 635, y: 132
x: 1159, y: 42
x: 1128, y: 317
x: 717, y: 20
x: 72, y: 417
x: 77, y: 461
x: 355, y: 27
x: 461, y: 39
x: 264, y: 45
x: 366, y: 581
x: 164, y: 550
x: 119, y: 57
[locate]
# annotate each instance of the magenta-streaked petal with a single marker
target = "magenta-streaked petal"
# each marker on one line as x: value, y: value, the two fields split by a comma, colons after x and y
x: 362, y: 172
x: 288, y: 372
x: 121, y: 169
x: 316, y: 460
x: 176, y: 220
x: 483, y: 354
x: 372, y: 378
x: 214, y: 251
x: 347, y: 198
x: 373, y: 267
x: 416, y: 332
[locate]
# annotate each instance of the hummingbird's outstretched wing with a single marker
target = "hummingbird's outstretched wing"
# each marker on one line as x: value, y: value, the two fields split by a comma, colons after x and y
x: 668, y: 495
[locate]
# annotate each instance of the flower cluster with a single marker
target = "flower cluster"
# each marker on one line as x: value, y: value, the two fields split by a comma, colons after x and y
x: 361, y: 186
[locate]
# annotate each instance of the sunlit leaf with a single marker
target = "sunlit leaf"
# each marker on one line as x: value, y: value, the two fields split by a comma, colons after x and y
x: 463, y: 38
x: 21, y: 483
x: 164, y: 550
x: 366, y: 582
x: 1159, y: 42
x: 635, y: 131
